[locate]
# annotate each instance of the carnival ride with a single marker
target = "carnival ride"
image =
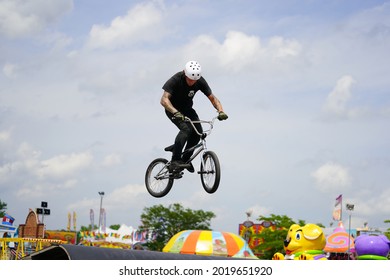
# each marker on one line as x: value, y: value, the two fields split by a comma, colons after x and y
x: 303, y: 243
x: 18, y: 248
x: 372, y: 247
x: 209, y: 243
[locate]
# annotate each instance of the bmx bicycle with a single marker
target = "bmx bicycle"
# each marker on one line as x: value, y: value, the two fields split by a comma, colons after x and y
x: 159, y: 177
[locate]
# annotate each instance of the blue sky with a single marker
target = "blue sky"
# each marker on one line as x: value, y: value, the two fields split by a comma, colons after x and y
x: 305, y: 85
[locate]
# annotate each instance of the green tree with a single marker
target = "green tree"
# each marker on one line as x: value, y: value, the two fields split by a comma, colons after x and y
x: 115, y: 227
x: 167, y: 221
x: 387, y: 232
x: 88, y: 228
x: 272, y: 239
x: 320, y: 225
x: 3, y: 208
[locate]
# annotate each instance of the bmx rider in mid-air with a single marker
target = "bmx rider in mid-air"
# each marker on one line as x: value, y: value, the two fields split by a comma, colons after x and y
x: 177, y: 100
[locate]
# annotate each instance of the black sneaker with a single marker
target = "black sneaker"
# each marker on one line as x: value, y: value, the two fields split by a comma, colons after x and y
x: 178, y: 165
x: 190, y: 167
x: 176, y: 175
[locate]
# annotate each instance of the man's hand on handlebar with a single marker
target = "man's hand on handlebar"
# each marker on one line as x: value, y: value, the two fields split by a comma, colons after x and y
x: 222, y: 116
x: 179, y: 116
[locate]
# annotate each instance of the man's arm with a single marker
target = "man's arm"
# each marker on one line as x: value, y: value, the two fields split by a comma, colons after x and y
x: 166, y: 102
x: 216, y: 103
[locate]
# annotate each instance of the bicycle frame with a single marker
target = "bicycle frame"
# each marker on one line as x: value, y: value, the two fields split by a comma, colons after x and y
x: 198, y: 148
x: 201, y: 146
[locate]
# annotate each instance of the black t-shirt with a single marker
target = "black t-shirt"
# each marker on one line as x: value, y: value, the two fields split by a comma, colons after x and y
x: 182, y: 93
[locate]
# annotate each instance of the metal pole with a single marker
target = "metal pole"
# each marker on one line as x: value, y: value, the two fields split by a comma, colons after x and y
x: 350, y: 208
x: 43, y: 217
x: 100, y: 212
x: 349, y: 235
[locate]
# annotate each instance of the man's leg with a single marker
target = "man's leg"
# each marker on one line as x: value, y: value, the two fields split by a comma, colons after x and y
x: 180, y: 140
x: 193, y: 139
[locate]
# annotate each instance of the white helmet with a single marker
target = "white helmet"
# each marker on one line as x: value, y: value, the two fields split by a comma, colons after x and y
x: 193, y: 70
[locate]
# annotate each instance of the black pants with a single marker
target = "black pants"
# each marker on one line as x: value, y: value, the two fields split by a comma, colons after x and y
x: 186, y: 134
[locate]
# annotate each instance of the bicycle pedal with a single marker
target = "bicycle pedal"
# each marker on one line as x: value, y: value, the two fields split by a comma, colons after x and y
x: 176, y: 175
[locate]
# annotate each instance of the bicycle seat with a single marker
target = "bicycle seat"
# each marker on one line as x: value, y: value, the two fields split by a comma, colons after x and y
x: 169, y: 148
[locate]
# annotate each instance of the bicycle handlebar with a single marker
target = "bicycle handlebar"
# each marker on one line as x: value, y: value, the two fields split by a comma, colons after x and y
x: 207, y: 131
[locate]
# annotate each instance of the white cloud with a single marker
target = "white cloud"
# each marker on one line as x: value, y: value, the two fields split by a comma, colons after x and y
x: 84, y: 204
x: 64, y: 165
x: 371, y: 205
x: 281, y: 47
x: 26, y: 151
x: 6, y: 170
x: 4, y: 136
x: 142, y: 23
x: 337, y: 99
x: 22, y: 159
x: 10, y: 70
x: 373, y: 22
x: 28, y: 163
x: 240, y: 50
x: 112, y: 159
x: 339, y: 104
x: 332, y: 177
x: 122, y: 196
x: 36, y: 190
x: 19, y: 18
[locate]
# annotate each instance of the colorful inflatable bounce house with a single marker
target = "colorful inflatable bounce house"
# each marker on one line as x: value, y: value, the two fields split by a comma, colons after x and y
x: 303, y: 243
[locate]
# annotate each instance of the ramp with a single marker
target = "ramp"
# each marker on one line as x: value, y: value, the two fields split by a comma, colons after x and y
x: 77, y: 252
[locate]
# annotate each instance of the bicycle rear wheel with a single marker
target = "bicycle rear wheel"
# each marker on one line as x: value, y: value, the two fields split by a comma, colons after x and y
x: 210, y: 172
x: 157, y: 179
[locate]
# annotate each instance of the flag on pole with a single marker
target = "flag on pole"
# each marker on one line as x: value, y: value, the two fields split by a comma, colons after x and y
x: 68, y: 225
x: 337, y: 208
x: 92, y: 218
x: 8, y: 220
x: 74, y: 220
x: 103, y: 219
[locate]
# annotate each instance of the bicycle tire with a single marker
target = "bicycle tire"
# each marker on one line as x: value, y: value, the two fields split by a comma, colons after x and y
x: 210, y: 173
x: 157, y: 180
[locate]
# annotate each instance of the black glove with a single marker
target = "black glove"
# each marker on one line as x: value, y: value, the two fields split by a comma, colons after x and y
x: 222, y: 116
x: 179, y: 116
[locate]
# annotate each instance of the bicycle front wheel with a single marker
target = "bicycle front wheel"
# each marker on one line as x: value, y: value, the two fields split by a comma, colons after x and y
x: 210, y: 172
x: 157, y: 179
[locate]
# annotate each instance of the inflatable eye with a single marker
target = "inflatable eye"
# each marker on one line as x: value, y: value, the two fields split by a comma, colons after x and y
x: 298, y: 236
